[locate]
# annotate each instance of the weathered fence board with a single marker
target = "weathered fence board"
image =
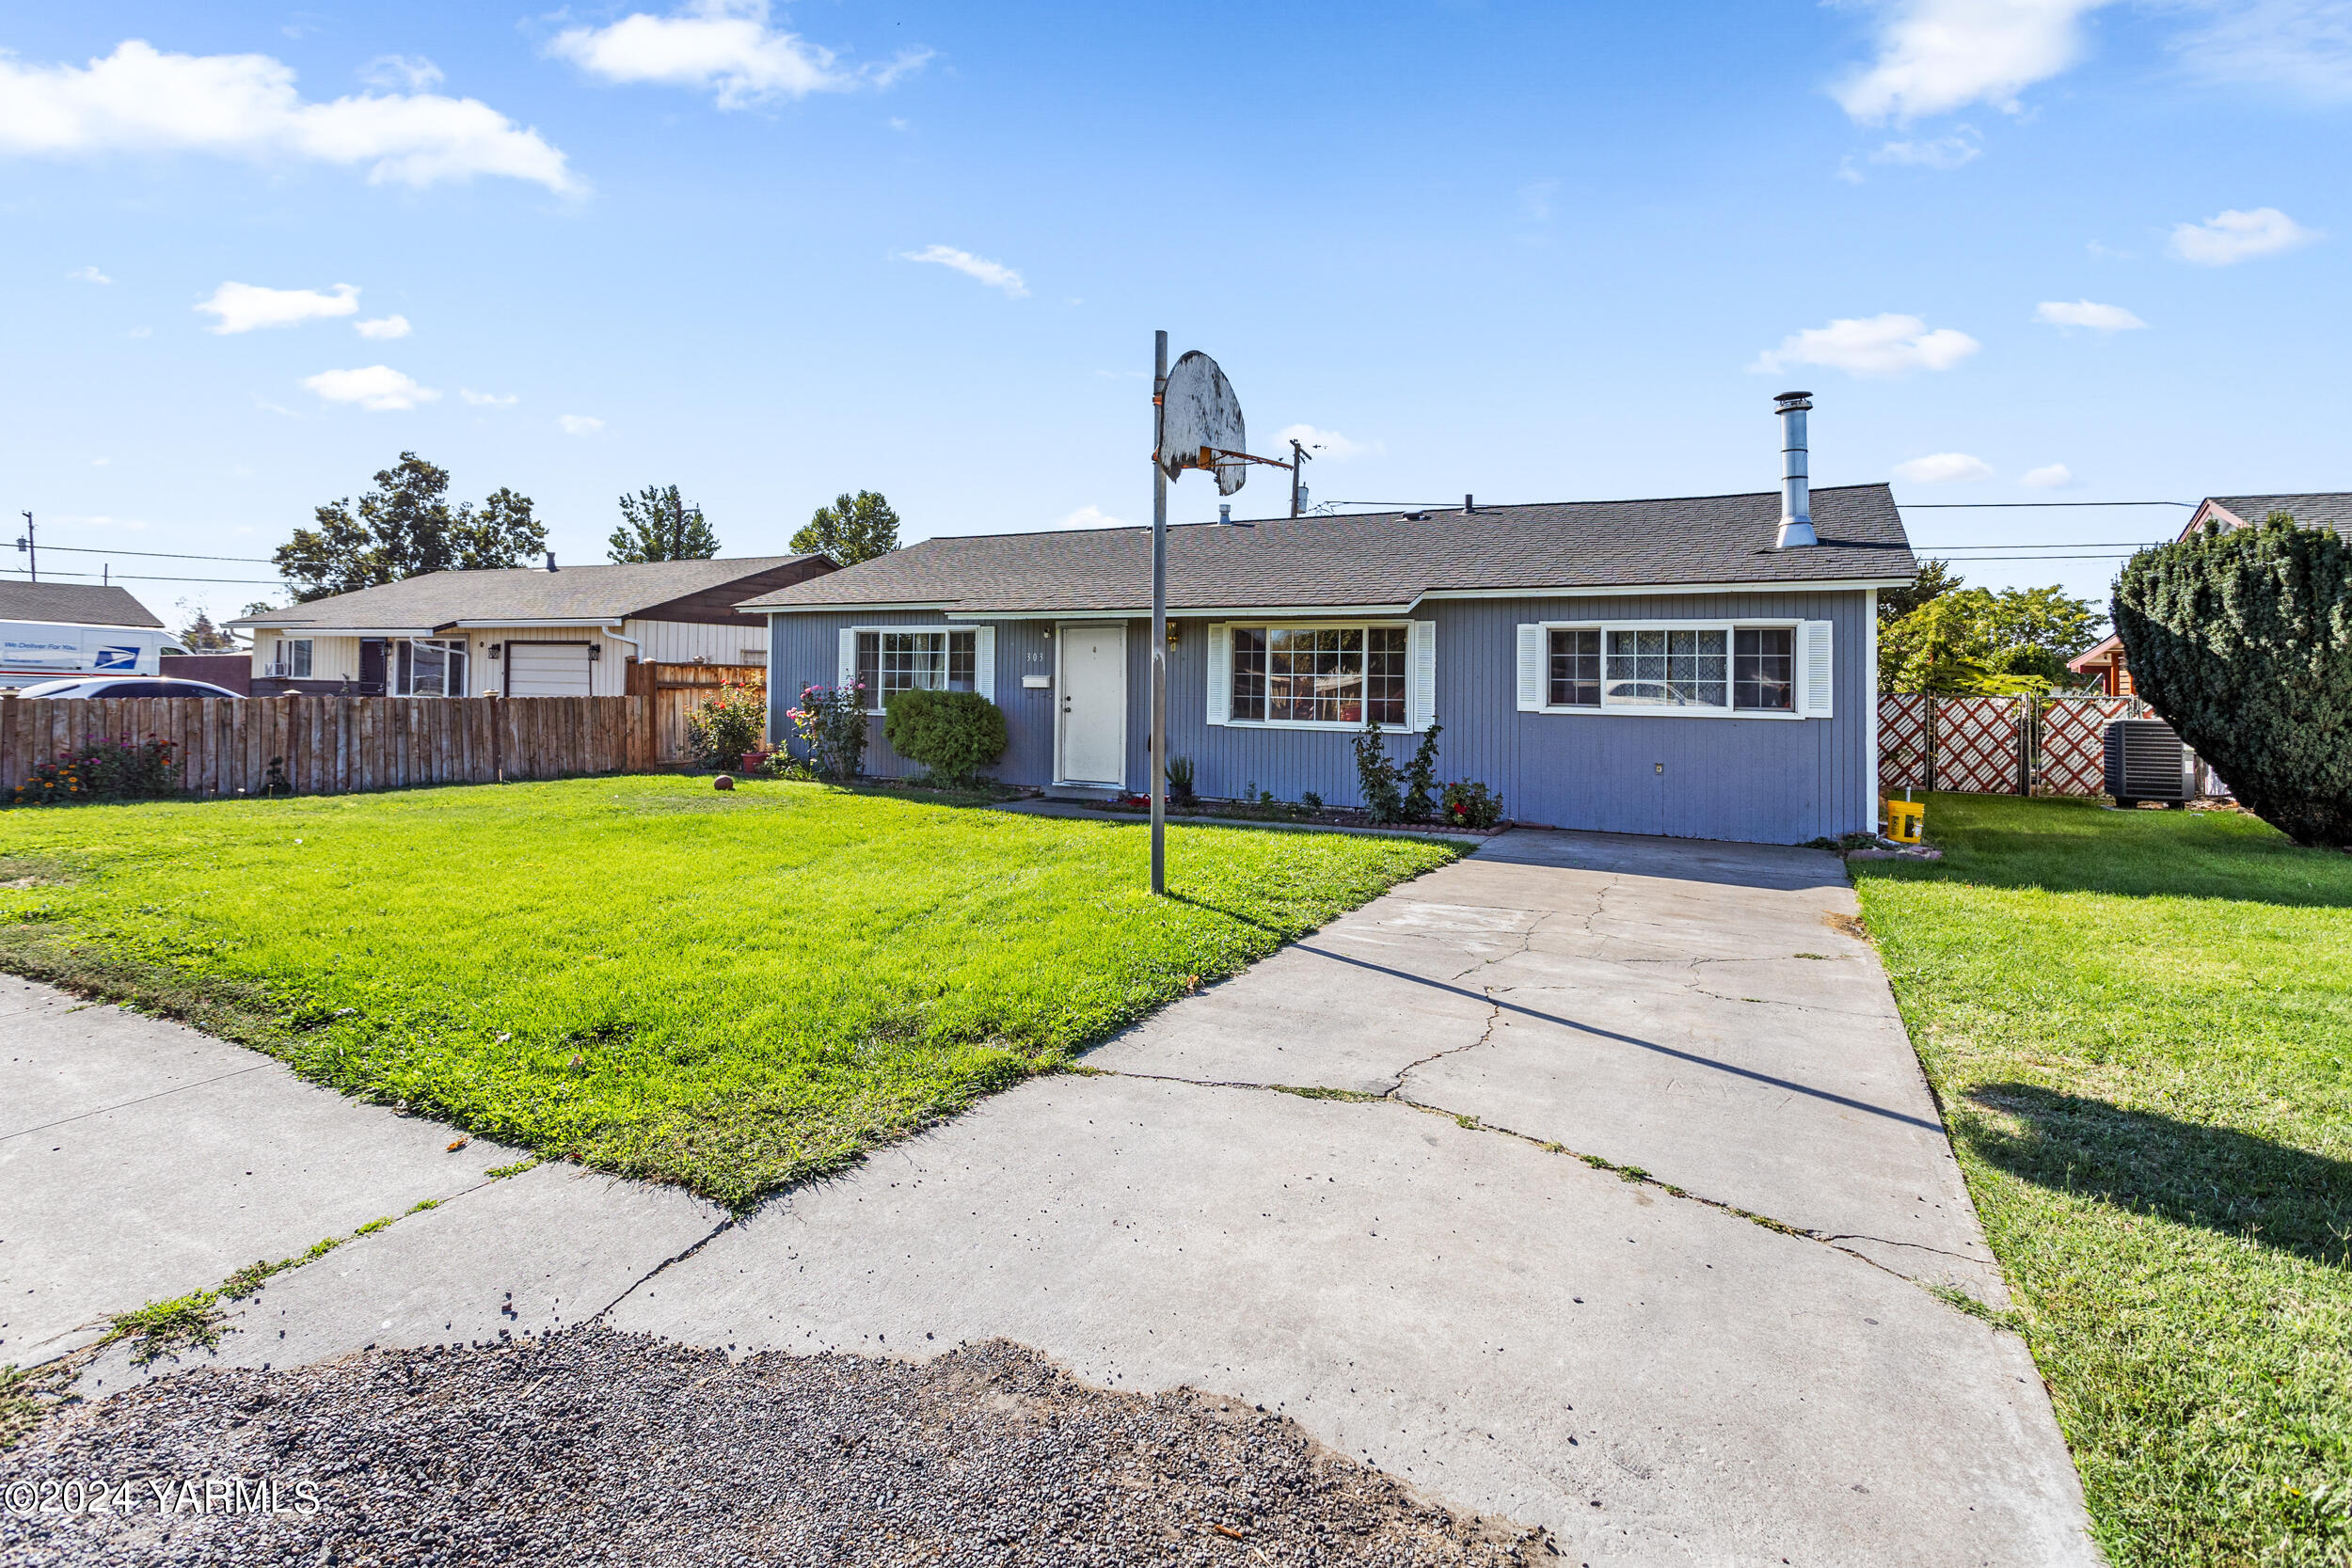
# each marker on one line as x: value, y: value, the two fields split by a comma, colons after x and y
x: 339, y: 745
x: 678, y: 689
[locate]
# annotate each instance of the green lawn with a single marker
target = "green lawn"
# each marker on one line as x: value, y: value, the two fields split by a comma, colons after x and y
x: 646, y: 976
x: 2141, y: 1025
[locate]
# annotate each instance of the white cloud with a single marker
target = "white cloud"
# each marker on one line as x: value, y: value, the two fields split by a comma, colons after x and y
x: 1943, y: 467
x: 1937, y: 56
x: 242, y: 306
x: 87, y: 275
x: 2053, y: 476
x: 2082, y: 313
x: 725, y: 45
x: 378, y: 388
x: 579, y: 424
x: 1886, y: 344
x: 141, y: 332
x: 2303, y: 46
x: 1961, y: 146
x: 994, y: 273
x: 1091, y: 516
x: 383, y: 326
x: 413, y: 71
x: 140, y: 100
x: 487, y: 400
x: 1536, y: 199
x: 2235, y: 236
x: 1326, y: 446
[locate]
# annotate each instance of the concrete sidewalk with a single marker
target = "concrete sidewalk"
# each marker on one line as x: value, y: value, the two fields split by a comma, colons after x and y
x: 1346, y: 1184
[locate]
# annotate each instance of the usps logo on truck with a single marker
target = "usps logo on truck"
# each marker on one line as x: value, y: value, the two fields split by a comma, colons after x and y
x: 117, y: 662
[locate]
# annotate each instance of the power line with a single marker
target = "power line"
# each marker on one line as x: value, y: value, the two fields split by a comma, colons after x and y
x: 1946, y: 506
x: 171, y: 555
x: 129, y: 576
x: 2079, y: 544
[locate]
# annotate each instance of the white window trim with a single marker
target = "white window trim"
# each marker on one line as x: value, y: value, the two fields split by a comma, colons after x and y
x: 983, y: 658
x: 1224, y: 631
x: 1675, y: 710
x: 447, y: 644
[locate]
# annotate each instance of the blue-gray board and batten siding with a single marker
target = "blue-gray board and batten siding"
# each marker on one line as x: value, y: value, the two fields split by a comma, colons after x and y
x: 1761, y: 780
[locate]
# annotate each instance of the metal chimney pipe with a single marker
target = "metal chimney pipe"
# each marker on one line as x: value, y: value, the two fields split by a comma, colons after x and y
x: 1796, y: 481
x: 1225, y: 512
x: 551, y: 561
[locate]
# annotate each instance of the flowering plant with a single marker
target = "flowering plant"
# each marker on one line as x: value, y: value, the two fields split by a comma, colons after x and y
x: 101, y: 770
x: 728, y: 725
x: 1472, y: 804
x: 830, y: 728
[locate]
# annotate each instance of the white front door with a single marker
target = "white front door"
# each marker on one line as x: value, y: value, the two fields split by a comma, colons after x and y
x: 1090, y: 733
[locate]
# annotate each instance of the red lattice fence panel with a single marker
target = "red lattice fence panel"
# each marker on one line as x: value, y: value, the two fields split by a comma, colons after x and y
x: 1903, y: 740
x: 1976, y: 744
x: 2073, y: 741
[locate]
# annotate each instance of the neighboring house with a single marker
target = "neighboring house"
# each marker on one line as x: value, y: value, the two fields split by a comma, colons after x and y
x: 2331, y: 510
x: 1646, y: 666
x: 523, y: 631
x: 2327, y: 509
x: 50, y: 630
x: 2104, y: 662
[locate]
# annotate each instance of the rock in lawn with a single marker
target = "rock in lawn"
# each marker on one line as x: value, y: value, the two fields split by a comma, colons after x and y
x: 723, y: 781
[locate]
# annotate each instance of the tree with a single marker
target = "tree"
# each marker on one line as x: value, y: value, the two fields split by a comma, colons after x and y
x: 1965, y: 640
x: 1935, y: 578
x: 658, y: 525
x: 404, y: 527
x: 199, y: 636
x: 2242, y: 642
x: 854, y: 529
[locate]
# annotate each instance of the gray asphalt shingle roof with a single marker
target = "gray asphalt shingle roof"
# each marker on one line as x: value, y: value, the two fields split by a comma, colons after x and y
x: 2319, y: 509
x: 1382, y: 559
x: 521, y: 594
x: 75, y: 604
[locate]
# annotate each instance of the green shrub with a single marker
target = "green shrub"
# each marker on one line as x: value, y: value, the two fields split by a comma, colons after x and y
x: 2242, y: 642
x: 731, y: 723
x: 1179, y: 780
x: 1421, y: 777
x: 954, y: 734
x: 103, y: 770
x: 1377, y: 777
x: 1471, y: 804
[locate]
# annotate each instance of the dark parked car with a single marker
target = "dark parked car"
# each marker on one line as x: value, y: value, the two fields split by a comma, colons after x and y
x: 118, y: 685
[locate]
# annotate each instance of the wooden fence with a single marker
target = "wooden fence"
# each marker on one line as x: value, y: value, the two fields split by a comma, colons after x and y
x: 676, y: 690
x: 338, y: 745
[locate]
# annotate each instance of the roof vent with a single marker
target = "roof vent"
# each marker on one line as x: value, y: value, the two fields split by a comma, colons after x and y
x: 1225, y: 512
x: 1796, y: 484
x: 551, y: 561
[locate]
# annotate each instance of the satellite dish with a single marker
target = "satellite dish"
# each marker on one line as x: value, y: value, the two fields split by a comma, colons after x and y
x: 1198, y: 409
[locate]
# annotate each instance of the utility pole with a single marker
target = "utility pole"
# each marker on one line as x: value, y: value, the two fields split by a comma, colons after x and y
x: 26, y: 545
x: 1299, y: 456
x: 1159, y: 622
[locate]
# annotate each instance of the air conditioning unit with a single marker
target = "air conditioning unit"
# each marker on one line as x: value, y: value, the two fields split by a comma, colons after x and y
x: 277, y: 671
x: 2146, y: 761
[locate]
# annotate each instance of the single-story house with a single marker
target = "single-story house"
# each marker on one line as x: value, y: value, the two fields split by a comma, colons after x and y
x: 521, y: 631
x: 1640, y: 666
x: 50, y: 630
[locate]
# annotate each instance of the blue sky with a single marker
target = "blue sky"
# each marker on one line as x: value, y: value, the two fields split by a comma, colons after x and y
x: 2019, y: 249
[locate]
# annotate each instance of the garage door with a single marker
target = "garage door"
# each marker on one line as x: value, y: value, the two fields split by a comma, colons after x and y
x: 547, y: 670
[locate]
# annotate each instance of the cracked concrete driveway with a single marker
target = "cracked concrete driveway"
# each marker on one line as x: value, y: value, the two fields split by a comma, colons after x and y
x: 1346, y: 1185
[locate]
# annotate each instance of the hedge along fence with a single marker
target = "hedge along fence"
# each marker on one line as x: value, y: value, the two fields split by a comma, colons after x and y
x: 338, y: 745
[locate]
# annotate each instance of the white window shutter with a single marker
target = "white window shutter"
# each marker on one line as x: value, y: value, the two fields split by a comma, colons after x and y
x: 1531, y: 666
x: 1420, y: 678
x: 1220, y: 673
x: 848, y: 657
x: 1814, y: 668
x: 984, y: 661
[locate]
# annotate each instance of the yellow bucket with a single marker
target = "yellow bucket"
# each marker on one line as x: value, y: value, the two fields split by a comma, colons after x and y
x: 1904, y: 818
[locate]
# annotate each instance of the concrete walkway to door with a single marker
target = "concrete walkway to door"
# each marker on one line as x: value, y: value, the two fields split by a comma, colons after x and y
x: 1346, y: 1185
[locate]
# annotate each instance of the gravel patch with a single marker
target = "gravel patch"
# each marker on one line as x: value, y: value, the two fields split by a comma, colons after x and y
x: 595, y: 1446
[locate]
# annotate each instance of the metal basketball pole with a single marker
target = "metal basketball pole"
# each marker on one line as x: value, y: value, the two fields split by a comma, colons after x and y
x: 1159, y: 623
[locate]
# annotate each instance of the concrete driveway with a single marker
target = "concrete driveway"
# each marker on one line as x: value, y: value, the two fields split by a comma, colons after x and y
x: 1589, y: 1181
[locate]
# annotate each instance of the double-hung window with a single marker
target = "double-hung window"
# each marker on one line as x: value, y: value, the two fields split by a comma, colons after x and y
x: 891, y: 661
x: 431, y: 667
x: 293, y: 659
x: 1318, y: 675
x: 1656, y: 668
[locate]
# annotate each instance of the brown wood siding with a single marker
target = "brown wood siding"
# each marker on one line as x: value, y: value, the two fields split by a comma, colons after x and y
x: 716, y: 606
